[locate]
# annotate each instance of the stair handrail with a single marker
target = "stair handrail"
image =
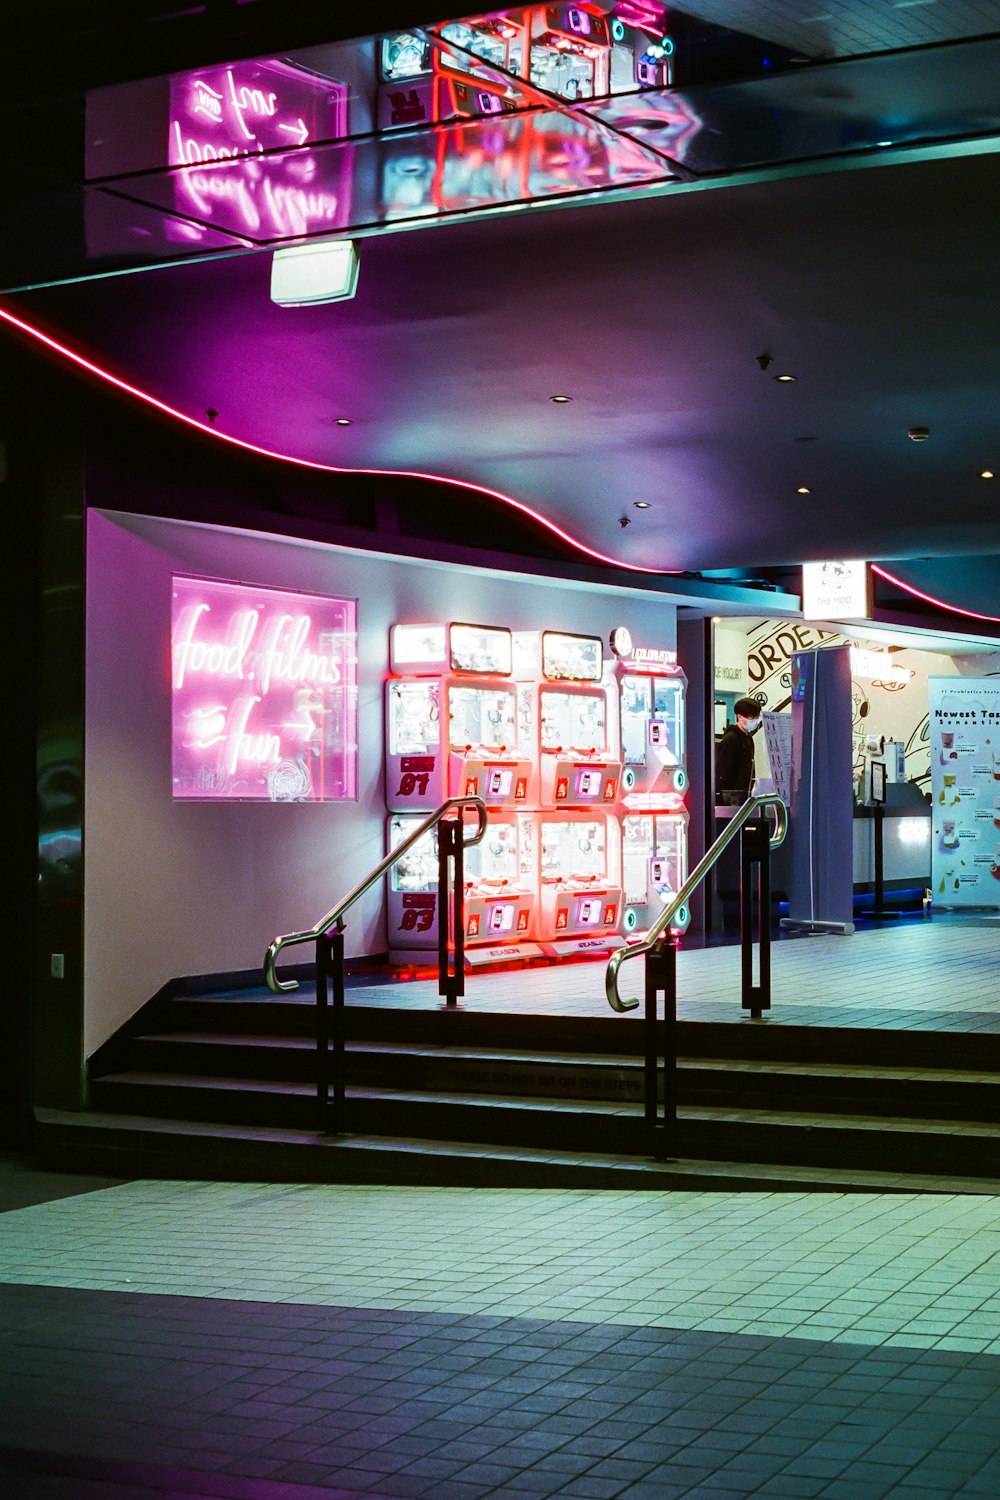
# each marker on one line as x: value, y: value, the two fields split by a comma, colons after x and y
x: 334, y: 916
x: 745, y: 814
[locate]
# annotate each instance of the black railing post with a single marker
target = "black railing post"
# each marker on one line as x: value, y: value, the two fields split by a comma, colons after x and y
x: 330, y: 968
x: 451, y: 912
x: 755, y: 850
x: 661, y: 976
x: 337, y: 1122
x: 324, y: 963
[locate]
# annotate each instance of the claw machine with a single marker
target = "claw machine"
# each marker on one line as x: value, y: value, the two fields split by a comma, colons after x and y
x: 500, y: 897
x: 451, y: 709
x: 580, y: 907
x: 654, y: 867
x: 651, y: 691
x: 577, y: 730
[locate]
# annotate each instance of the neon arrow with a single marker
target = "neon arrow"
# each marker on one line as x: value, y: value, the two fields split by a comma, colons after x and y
x: 306, y: 723
x: 299, y: 126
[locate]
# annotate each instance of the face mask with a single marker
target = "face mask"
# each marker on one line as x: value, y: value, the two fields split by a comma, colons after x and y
x: 752, y: 726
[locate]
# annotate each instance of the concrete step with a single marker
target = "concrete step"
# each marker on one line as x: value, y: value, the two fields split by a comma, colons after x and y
x: 135, y: 1145
x: 923, y: 1093
x: 773, y: 1040
x: 961, y: 1148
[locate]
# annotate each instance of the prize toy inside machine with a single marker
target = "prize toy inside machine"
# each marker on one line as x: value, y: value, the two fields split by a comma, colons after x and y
x: 580, y: 882
x: 500, y: 900
x: 451, y: 718
x: 651, y: 694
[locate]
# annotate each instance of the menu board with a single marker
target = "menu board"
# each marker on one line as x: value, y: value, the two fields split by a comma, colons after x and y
x: 778, y: 739
x: 965, y: 782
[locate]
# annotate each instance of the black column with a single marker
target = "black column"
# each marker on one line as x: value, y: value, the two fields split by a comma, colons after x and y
x: 43, y: 1062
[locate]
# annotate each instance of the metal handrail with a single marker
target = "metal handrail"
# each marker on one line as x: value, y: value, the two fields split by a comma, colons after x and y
x: 687, y: 890
x: 335, y: 915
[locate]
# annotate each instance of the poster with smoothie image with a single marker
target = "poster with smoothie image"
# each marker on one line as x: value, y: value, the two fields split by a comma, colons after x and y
x: 965, y: 782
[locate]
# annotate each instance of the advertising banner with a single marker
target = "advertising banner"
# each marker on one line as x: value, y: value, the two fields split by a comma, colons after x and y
x: 821, y: 894
x: 965, y: 783
x: 265, y: 694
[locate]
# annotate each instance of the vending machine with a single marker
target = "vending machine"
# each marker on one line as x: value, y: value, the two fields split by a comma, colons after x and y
x: 579, y: 874
x: 500, y: 892
x: 452, y: 718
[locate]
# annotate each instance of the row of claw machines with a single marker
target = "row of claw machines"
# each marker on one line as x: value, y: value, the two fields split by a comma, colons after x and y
x: 580, y: 761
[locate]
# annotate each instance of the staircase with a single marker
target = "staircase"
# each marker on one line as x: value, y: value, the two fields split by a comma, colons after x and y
x: 220, y: 1085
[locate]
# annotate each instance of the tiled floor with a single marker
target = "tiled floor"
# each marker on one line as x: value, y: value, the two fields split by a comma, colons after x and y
x: 940, y: 974
x: 291, y: 1342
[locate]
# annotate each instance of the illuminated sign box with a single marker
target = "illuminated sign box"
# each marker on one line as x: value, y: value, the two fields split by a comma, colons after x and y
x: 836, y: 591
x: 264, y: 694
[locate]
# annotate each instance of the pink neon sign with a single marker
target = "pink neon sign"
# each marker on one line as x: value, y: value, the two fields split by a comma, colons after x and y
x: 223, y: 121
x: 264, y: 693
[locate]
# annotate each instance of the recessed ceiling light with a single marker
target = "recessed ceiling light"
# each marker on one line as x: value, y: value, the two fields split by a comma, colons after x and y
x: 986, y: 474
x: 803, y: 489
x: 342, y: 421
x: 641, y: 504
x: 560, y: 400
x: 785, y: 379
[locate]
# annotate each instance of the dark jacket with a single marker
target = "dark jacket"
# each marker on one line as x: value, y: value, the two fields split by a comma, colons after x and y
x: 734, y: 765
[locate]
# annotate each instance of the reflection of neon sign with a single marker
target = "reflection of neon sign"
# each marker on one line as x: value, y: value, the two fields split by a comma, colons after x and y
x: 647, y: 15
x: 224, y: 122
x: 264, y: 693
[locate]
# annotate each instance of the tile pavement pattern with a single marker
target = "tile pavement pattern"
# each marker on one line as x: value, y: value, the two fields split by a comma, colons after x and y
x: 284, y: 1343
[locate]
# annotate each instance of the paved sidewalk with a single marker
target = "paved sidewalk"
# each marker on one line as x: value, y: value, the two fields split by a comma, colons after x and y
x: 290, y: 1342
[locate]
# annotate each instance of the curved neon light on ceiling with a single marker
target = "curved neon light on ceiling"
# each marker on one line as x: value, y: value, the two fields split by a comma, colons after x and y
x: 64, y: 352
x: 955, y: 609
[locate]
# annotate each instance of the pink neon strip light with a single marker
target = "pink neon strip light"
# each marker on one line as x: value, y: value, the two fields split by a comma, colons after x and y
x: 306, y: 463
x: 970, y: 614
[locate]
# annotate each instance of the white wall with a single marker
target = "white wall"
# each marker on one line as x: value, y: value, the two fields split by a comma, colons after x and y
x: 177, y: 888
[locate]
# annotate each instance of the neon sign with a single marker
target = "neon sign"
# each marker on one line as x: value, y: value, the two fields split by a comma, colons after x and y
x: 264, y: 694
x: 224, y: 125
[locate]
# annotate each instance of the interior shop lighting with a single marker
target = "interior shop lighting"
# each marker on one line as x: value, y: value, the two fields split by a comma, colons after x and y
x: 785, y: 379
x: 641, y: 504
x: 560, y: 400
x: 320, y: 271
x: 803, y: 489
x: 342, y: 421
x: 986, y: 473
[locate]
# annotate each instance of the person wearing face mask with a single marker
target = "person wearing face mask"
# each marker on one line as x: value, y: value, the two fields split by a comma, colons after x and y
x: 734, y: 759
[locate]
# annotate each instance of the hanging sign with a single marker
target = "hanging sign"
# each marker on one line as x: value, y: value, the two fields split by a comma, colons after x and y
x: 836, y: 591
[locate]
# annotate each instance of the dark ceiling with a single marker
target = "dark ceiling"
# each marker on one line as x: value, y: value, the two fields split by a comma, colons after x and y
x: 876, y: 285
